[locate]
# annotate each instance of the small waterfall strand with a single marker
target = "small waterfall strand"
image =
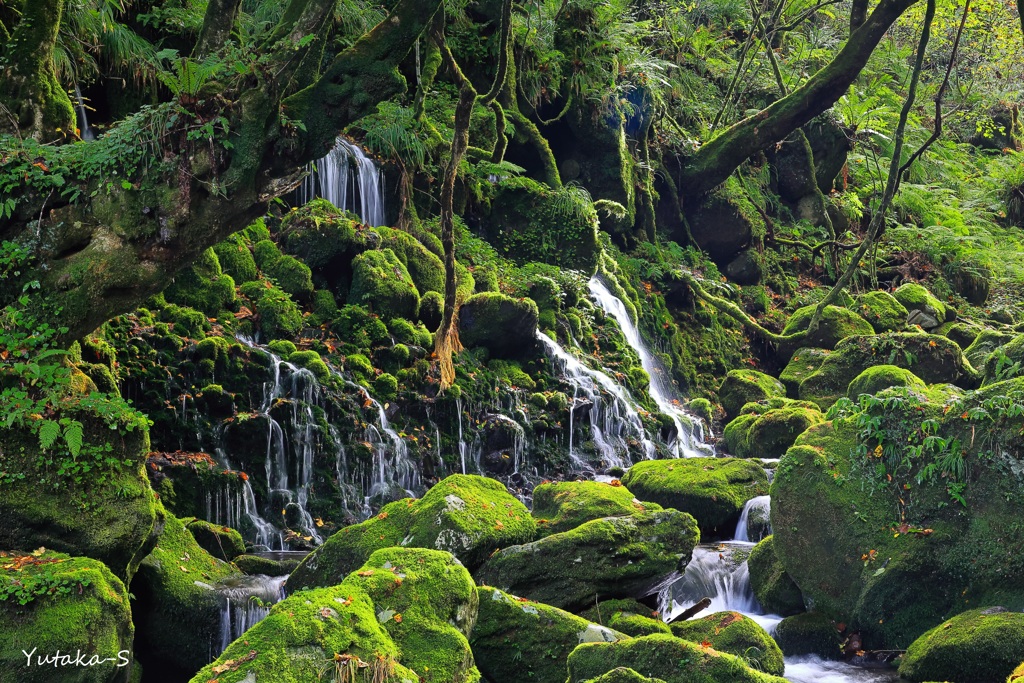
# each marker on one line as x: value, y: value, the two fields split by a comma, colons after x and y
x: 361, y: 191
x: 244, y: 602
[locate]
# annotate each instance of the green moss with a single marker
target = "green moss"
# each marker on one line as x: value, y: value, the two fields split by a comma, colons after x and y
x: 385, y: 387
x: 223, y: 543
x: 805, y: 362
x: 979, y: 646
x: 203, y: 286
x: 511, y: 633
x: 257, y: 232
x: 321, y: 235
x: 666, y: 657
x: 836, y: 324
x: 702, y: 408
x: 176, y: 606
x: 623, y: 675
x: 360, y: 329
x: 431, y: 310
x: 467, y: 515
x: 382, y: 282
x: 323, y: 306
x: 882, y: 310
x: 266, y: 253
x: 984, y: 344
x: 512, y: 374
x: 714, y: 490
x: 743, y: 386
x: 637, y: 624
x: 425, y: 268
x: 73, y: 604
x: 771, y: 584
x: 880, y: 377
x: 934, y: 359
x: 255, y: 564
x: 604, y: 558
x: 279, y: 315
x: 360, y: 366
x: 810, y: 633
x: 1017, y: 674
x: 310, y: 360
x: 506, y: 327
x: 282, y: 347
x: 236, y: 259
x: 1005, y: 362
x: 914, y: 297
x: 736, y: 634
x: 561, y: 506
x: 291, y: 275
x: 766, y: 431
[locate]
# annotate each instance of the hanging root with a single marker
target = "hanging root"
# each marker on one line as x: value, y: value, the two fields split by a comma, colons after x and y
x: 447, y: 346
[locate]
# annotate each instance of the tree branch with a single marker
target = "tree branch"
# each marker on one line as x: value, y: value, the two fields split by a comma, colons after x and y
x: 736, y: 313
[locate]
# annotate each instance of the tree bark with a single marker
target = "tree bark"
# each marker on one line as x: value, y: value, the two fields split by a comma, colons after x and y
x: 713, y: 162
x: 217, y: 25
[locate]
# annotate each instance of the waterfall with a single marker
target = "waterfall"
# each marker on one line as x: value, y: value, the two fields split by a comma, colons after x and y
x: 614, y: 420
x: 754, y: 525
x: 392, y: 465
x: 689, y: 429
x: 83, y: 117
x: 361, y: 192
x: 246, y: 600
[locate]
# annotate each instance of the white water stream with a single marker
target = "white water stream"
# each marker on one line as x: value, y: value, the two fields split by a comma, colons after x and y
x: 349, y: 179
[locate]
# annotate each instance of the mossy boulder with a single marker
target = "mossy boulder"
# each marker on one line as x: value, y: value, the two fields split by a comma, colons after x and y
x: 836, y: 324
x: 805, y: 362
x: 467, y: 515
x: 984, y: 344
x: 112, y: 517
x: 713, y: 490
x: 222, y: 542
x: 736, y: 634
x: 1004, y: 362
x: 203, y: 286
x: 291, y: 275
x: 882, y: 310
x: 52, y: 602
x: 722, y: 222
x: 771, y: 584
x: 424, y: 266
x: 979, y: 646
x: 809, y: 633
x: 765, y: 431
x: 1018, y: 673
x: 667, y: 657
x: 505, y: 326
x: 277, y: 313
x: 637, y: 625
x: 323, y: 236
x: 840, y: 535
x: 564, y: 505
x: 532, y: 222
x: 934, y: 359
x: 615, y: 557
x: 511, y: 633
x: 880, y: 377
x: 623, y: 674
x: 177, y: 610
x: 236, y: 259
x: 381, y: 281
x: 930, y: 311
x: 257, y: 564
x: 431, y: 310
x: 741, y: 387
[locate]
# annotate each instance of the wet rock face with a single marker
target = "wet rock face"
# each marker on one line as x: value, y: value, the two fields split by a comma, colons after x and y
x: 978, y: 646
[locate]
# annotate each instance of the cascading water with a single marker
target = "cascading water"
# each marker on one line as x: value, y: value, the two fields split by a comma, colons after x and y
x: 391, y: 463
x: 614, y: 420
x: 83, y: 117
x: 332, y: 178
x: 689, y: 438
x: 245, y: 600
x: 754, y: 524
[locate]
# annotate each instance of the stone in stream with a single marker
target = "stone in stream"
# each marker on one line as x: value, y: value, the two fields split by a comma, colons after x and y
x: 979, y: 646
x: 615, y: 557
x: 467, y: 515
x: 767, y: 428
x: 672, y: 659
x: 771, y: 584
x: 628, y: 616
x: 403, y: 615
x: 564, y: 505
x: 53, y: 602
x: 527, y: 639
x: 837, y: 515
x: 222, y: 542
x: 809, y: 633
x: 623, y: 674
x: 736, y: 634
x: 740, y: 387
x: 713, y: 490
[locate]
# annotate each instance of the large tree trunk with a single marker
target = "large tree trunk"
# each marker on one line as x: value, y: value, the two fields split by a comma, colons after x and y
x: 714, y: 161
x: 130, y: 233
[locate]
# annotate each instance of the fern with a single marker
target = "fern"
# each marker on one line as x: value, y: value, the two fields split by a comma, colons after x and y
x: 73, y: 436
x: 49, y: 430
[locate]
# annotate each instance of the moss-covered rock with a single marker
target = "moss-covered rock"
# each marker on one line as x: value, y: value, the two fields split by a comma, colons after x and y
x: 291, y: 275
x: 177, y: 611
x: 256, y: 564
x: 278, y: 314
x: 713, y: 490
x: 222, y: 542
x: 605, y: 558
x: 637, y: 625
x: 666, y: 657
x: 425, y: 268
x: 736, y: 634
x: 836, y: 324
x: 322, y: 235
x: 623, y: 674
x: 771, y: 584
x: 467, y: 515
x: 741, y: 387
x: 236, y: 259
x: 805, y: 362
x: 979, y: 646
x: 880, y: 377
x: 203, y: 286
x: 809, y: 633
x: 1005, y: 362
x: 882, y: 311
x: 934, y: 359
x: 431, y: 310
x: 529, y: 638
x: 765, y: 431
x: 51, y: 602
x: 381, y: 281
x: 986, y: 341
x: 532, y: 222
x: 111, y: 516
x: 561, y: 506
x: 1017, y: 674
x: 506, y: 327
x: 915, y: 297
